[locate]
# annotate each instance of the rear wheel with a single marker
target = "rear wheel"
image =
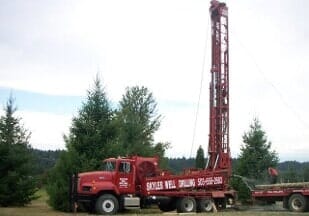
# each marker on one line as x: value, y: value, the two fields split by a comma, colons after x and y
x: 204, y: 205
x: 107, y: 204
x: 297, y: 203
x: 186, y: 204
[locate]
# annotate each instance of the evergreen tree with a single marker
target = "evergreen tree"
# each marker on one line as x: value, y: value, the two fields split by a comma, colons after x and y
x: 17, y: 185
x: 255, y: 158
x: 89, y: 142
x: 92, y: 131
x: 137, y: 121
x: 200, y: 158
x: 256, y: 154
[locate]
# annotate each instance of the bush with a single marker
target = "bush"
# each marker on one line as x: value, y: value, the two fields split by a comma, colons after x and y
x: 244, y: 194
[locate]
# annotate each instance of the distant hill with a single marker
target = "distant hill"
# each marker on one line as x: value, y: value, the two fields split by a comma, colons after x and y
x: 286, y: 165
x: 177, y: 165
x: 293, y: 171
x: 44, y: 160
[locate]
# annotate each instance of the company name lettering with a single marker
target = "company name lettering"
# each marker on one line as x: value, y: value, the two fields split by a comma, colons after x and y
x: 183, y: 183
x: 157, y: 185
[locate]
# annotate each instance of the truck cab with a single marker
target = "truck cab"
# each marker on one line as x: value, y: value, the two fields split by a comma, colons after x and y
x: 117, y: 175
x: 116, y: 186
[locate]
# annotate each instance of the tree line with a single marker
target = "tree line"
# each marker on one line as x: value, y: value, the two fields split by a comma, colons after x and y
x: 289, y: 171
x: 100, y: 131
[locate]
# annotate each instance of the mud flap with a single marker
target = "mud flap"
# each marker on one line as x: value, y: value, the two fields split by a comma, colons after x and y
x: 73, y: 192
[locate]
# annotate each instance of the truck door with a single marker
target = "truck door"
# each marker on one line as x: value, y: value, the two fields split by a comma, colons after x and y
x: 125, y: 180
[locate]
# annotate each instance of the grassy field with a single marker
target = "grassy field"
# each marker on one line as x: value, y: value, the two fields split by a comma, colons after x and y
x: 37, y: 207
x: 40, y: 207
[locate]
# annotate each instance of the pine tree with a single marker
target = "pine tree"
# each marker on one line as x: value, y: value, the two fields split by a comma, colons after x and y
x: 92, y: 132
x: 137, y: 121
x: 90, y: 141
x: 17, y: 185
x: 255, y: 157
x: 200, y: 158
x: 256, y: 154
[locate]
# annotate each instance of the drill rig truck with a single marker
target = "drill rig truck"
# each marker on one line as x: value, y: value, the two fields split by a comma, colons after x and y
x: 135, y: 182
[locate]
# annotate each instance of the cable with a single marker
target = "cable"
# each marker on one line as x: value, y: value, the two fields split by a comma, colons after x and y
x: 200, y: 89
x: 305, y: 124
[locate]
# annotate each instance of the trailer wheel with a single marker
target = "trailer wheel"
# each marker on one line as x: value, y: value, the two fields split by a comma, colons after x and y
x: 205, y: 205
x: 107, y: 204
x: 186, y: 204
x: 297, y: 203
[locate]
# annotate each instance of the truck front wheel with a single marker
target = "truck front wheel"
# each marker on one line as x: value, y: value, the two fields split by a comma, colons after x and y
x: 107, y: 204
x: 186, y: 204
x: 297, y: 203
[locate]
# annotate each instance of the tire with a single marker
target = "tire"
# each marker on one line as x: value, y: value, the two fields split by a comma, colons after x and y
x: 186, y: 204
x: 205, y: 205
x: 297, y: 203
x: 107, y: 204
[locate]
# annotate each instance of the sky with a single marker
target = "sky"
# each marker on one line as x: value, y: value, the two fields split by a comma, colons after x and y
x: 51, y: 51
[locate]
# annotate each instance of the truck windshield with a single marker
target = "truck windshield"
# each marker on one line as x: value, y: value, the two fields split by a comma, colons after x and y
x: 109, y: 166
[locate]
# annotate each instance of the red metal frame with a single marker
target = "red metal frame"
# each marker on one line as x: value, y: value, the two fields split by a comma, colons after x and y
x: 279, y: 192
x: 218, y: 148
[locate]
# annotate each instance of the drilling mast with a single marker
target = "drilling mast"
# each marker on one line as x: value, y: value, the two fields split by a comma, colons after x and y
x: 218, y: 148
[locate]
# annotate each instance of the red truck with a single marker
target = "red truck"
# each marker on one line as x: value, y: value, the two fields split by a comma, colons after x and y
x: 295, y: 196
x: 135, y: 182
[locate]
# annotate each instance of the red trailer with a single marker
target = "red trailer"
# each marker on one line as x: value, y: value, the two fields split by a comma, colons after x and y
x: 135, y: 182
x: 295, y: 196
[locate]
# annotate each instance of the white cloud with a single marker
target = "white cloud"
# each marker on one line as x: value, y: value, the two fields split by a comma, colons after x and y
x: 47, y: 129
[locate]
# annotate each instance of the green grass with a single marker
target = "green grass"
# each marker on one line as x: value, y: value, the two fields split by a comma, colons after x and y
x: 37, y: 207
x: 40, y: 207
